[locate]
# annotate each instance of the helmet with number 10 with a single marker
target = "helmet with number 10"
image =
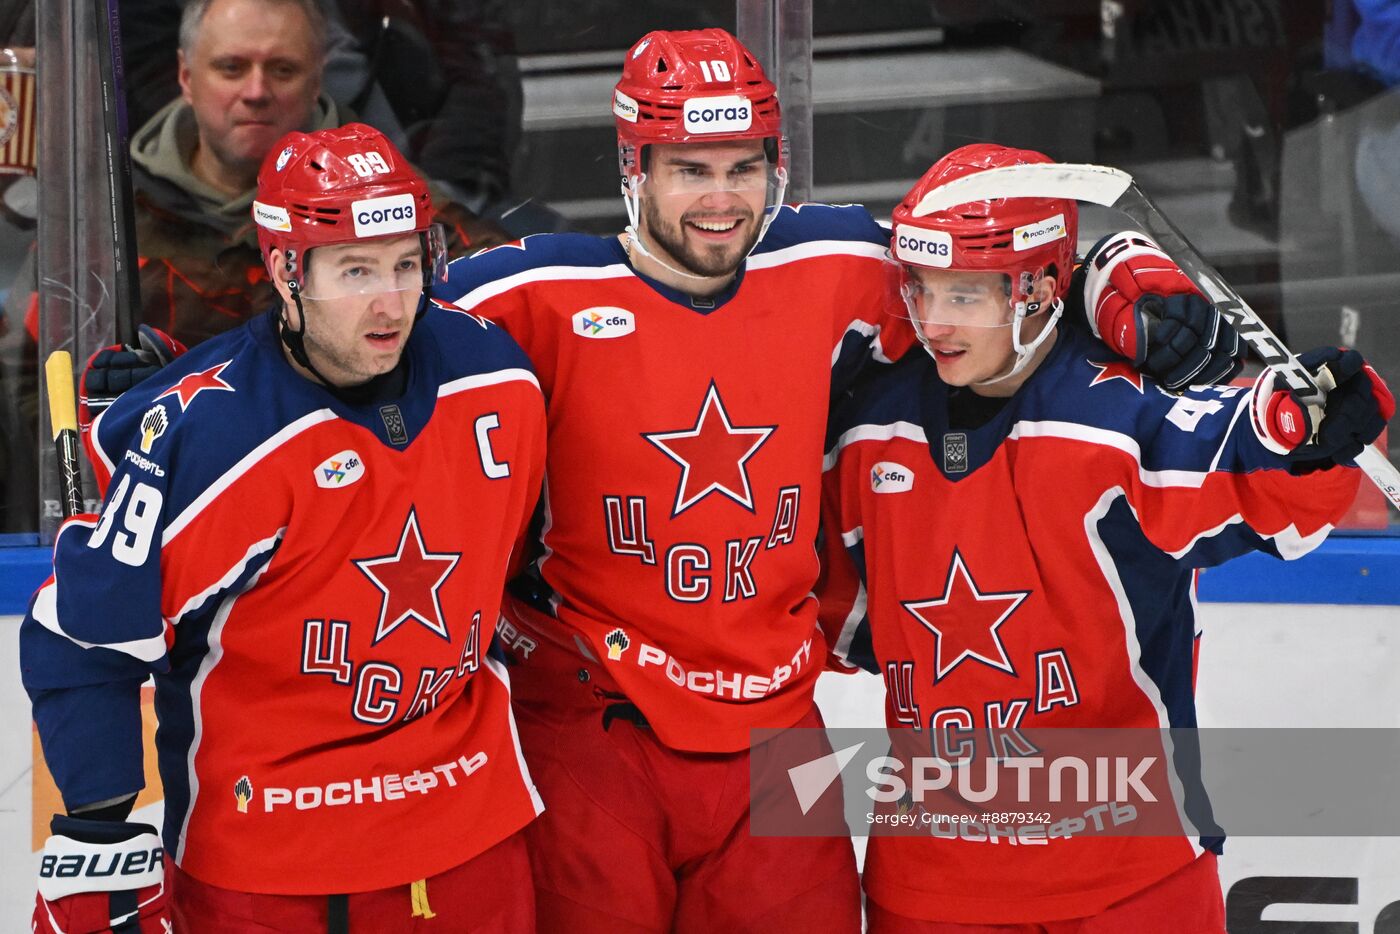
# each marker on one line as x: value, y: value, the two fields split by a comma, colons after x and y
x: 692, y: 88
x: 1024, y: 240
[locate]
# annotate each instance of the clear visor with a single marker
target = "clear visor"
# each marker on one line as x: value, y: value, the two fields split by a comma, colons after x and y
x: 717, y: 200
x: 378, y: 267
x: 698, y: 179
x: 744, y: 169
x: 950, y: 298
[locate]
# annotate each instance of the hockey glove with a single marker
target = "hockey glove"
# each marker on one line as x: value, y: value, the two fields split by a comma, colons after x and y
x: 1357, y: 407
x: 98, y: 876
x: 115, y: 369
x: 1142, y: 305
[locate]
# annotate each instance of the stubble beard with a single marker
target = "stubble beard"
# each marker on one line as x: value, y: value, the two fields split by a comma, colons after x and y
x: 336, y: 363
x: 710, y: 261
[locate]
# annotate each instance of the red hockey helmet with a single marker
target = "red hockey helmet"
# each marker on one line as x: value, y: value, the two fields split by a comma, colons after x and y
x: 1015, y: 236
x: 692, y: 86
x: 338, y: 186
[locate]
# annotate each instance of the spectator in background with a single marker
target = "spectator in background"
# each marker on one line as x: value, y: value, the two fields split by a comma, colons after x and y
x: 438, y: 77
x: 249, y: 71
x: 1375, y: 46
x: 18, y: 489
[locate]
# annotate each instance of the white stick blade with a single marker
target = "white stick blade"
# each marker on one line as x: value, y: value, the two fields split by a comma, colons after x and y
x: 1096, y: 184
x: 1382, y: 473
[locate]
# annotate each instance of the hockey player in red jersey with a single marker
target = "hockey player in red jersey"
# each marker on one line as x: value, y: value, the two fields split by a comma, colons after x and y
x: 688, y: 363
x: 1020, y: 516
x: 305, y: 542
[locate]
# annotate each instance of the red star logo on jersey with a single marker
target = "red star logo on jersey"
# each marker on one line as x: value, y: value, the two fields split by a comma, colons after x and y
x: 1116, y: 369
x: 712, y: 455
x: 409, y: 579
x: 965, y: 621
x: 190, y: 386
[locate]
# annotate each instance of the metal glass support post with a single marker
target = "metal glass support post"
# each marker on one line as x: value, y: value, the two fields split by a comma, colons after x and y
x: 74, y: 251
x: 779, y: 32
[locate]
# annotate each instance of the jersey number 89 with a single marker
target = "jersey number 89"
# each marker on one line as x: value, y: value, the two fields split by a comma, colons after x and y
x: 131, y: 545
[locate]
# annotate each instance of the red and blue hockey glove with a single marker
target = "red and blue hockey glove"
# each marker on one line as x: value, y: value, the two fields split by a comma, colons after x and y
x: 97, y: 876
x: 115, y: 369
x: 1142, y: 305
x: 1356, y: 410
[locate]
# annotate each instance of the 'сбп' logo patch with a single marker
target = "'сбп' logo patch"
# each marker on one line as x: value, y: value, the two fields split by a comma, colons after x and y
x: 891, y: 478
x: 339, y: 470
x: 604, y: 322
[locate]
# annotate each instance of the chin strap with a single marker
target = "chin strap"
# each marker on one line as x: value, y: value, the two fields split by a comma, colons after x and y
x: 295, y: 339
x: 1024, y: 352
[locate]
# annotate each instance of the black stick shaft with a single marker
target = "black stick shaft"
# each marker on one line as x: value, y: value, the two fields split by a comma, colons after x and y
x: 109, y: 63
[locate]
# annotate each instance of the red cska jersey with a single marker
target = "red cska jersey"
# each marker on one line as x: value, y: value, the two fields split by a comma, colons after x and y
x: 685, y: 442
x: 1034, y: 571
x: 296, y: 572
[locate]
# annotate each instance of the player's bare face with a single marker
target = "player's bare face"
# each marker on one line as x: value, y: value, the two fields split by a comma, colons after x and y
x: 251, y: 76
x: 702, y: 203
x: 964, y: 319
x: 360, y: 300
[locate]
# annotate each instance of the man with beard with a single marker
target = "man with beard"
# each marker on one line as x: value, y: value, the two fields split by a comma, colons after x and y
x: 688, y: 363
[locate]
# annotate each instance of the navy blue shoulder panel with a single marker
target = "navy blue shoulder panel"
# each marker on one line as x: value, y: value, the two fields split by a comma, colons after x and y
x: 533, y: 252
x: 804, y: 223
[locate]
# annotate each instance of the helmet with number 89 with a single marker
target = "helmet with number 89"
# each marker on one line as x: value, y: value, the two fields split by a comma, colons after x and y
x: 339, y: 186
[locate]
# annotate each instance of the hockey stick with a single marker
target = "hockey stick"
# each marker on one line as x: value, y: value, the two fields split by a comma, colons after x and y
x: 63, y: 416
x: 112, y: 79
x: 1114, y: 188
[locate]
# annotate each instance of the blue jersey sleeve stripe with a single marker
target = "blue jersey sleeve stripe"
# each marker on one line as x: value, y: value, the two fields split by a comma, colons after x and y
x: 1234, y: 537
x: 45, y: 613
x: 258, y: 550
x: 44, y: 609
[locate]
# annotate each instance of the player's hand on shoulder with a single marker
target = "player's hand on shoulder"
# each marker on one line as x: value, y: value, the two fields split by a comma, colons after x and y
x: 115, y: 369
x: 102, y: 875
x: 1141, y: 304
x: 1317, y: 437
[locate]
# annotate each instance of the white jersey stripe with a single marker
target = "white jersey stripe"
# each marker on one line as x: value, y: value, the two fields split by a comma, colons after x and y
x: 489, y: 290
x: 502, y: 675
x: 815, y: 248
x: 206, y: 667
x: 468, y: 301
x: 478, y: 380
x: 1150, y: 690
x: 249, y: 460
x: 906, y: 430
